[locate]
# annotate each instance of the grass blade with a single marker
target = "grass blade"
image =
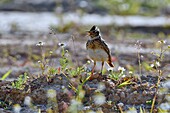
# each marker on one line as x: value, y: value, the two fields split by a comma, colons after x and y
x: 6, y: 75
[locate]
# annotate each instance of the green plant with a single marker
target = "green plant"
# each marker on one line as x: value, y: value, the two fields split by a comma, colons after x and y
x: 127, y: 82
x: 157, y: 65
x: 117, y: 75
x: 75, y: 72
x: 19, y: 83
x: 64, y: 61
x: 132, y: 7
x: 6, y: 75
x: 138, y: 47
x: 42, y: 62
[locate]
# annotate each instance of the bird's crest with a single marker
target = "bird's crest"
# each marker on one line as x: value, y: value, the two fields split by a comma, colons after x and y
x: 94, y: 28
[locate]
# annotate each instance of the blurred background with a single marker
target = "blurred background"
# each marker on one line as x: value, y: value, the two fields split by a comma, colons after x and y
x: 24, y: 23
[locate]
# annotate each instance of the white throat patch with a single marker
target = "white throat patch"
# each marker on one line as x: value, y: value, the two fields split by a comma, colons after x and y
x: 95, y: 37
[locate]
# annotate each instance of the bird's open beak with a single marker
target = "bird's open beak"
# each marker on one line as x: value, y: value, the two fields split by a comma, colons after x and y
x: 88, y: 33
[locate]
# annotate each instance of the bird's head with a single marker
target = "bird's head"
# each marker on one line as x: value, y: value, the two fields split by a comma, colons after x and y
x: 94, y: 32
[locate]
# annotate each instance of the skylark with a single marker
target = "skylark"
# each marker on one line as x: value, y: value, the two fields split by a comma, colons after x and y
x: 97, y: 48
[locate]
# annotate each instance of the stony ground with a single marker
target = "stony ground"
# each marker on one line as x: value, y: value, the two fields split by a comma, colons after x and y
x: 135, y: 94
x: 103, y: 93
x: 20, y: 54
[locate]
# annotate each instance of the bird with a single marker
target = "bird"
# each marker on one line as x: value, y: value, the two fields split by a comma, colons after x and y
x: 97, y: 48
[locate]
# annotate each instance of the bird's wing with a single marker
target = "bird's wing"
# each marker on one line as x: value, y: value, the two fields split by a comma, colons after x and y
x: 102, y: 45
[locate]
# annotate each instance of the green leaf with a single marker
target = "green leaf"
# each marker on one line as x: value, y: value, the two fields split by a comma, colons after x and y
x: 141, y: 110
x: 6, y: 75
x: 124, y: 83
x: 149, y: 102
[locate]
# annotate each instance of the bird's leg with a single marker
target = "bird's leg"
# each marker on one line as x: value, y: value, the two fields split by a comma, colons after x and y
x: 102, y: 67
x: 93, y: 68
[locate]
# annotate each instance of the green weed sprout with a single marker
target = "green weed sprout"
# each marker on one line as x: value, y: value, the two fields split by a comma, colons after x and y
x: 117, y: 75
x: 157, y: 64
x: 6, y: 75
x: 19, y: 83
x: 42, y: 62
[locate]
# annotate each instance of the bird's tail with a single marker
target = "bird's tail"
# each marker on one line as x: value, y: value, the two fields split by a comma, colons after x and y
x: 110, y: 62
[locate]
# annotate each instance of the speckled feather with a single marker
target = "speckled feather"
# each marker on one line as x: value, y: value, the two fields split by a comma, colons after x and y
x: 97, y: 48
x: 97, y: 44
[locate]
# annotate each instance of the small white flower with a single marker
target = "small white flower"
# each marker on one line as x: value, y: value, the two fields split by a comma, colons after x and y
x: 63, y: 87
x: 51, y: 52
x: 88, y: 62
x: 40, y: 43
x: 27, y: 101
x: 130, y: 72
x: 62, y: 44
x: 110, y: 69
x: 158, y: 63
x: 99, y: 99
x: 152, y: 65
x: 120, y: 104
x: 159, y: 41
x: 123, y: 76
x: 87, y: 108
x: 162, y: 41
x: 17, y: 108
x: 51, y: 93
x: 122, y: 69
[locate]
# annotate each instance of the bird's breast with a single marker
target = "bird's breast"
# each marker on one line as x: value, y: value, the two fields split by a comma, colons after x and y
x: 98, y: 54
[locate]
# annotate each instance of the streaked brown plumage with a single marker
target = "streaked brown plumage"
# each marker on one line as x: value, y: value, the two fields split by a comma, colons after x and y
x: 97, y: 48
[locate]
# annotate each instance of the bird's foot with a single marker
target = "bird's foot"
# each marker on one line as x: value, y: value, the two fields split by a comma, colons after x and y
x: 93, y: 76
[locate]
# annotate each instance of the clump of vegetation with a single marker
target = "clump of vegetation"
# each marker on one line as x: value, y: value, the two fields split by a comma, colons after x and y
x: 20, y: 82
x: 132, y: 7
